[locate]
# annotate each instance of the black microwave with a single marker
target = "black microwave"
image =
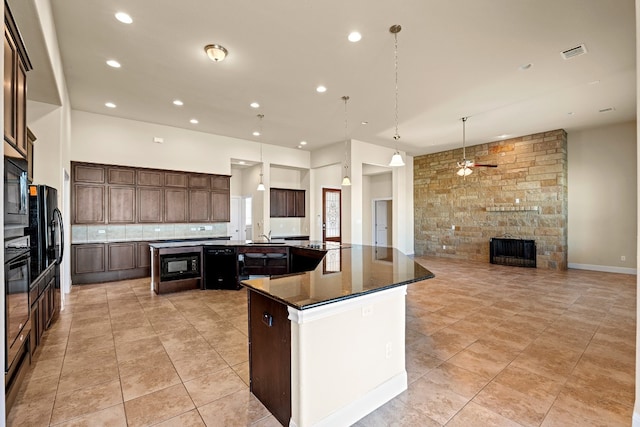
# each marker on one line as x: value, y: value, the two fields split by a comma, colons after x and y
x: 180, y: 266
x: 16, y: 196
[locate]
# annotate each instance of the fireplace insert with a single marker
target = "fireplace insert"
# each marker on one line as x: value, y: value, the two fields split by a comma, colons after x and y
x: 518, y: 252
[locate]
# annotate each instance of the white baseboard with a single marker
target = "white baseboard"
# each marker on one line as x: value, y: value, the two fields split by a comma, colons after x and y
x: 604, y: 268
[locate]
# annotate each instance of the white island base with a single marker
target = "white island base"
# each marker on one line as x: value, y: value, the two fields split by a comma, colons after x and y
x: 347, y: 358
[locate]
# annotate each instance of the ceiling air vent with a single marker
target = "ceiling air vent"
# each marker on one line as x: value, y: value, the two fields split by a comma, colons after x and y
x: 573, y: 52
x: 606, y: 110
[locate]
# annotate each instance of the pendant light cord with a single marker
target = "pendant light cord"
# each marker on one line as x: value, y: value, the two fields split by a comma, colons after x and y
x: 346, y: 157
x: 396, y: 137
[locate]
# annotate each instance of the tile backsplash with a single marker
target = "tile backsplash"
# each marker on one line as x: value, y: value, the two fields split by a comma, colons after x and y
x: 144, y: 232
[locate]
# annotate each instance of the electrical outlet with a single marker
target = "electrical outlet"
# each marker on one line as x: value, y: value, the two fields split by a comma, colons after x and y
x: 444, y: 246
x: 453, y: 227
x: 623, y: 258
x: 388, y: 351
x: 517, y: 200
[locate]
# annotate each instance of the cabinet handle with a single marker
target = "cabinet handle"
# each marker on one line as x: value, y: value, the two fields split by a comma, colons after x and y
x: 267, y: 319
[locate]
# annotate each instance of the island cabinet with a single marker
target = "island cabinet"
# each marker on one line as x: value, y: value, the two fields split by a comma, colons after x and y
x: 264, y: 260
x: 121, y: 195
x: 327, y: 349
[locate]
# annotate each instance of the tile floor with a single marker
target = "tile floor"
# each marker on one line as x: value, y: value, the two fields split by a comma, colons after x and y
x: 485, y: 346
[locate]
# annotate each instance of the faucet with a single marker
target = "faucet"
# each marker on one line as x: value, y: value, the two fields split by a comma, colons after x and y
x: 268, y: 237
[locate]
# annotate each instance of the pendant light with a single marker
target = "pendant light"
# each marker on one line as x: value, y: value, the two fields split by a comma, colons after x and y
x: 261, y: 184
x: 396, y: 159
x: 346, y: 181
x: 464, y: 169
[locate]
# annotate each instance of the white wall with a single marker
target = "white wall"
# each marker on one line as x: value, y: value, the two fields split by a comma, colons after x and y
x: 602, y: 193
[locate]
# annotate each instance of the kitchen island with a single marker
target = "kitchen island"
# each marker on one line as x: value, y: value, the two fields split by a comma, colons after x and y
x: 326, y: 347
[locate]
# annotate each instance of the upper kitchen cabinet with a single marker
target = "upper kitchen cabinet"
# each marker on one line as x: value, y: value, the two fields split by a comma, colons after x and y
x: 287, y: 203
x: 16, y: 65
x: 123, y: 195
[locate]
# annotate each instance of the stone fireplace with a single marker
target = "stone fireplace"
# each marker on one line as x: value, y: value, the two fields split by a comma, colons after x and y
x: 525, y: 197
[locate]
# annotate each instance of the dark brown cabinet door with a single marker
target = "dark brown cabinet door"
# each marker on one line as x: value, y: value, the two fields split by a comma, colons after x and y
x: 121, y: 176
x: 199, y: 181
x: 121, y: 256
x: 220, y: 182
x: 220, y: 206
x: 88, y: 206
x: 88, y: 258
x: 21, y: 109
x: 149, y: 178
x: 122, y: 202
x: 298, y: 209
x: 10, y: 57
x: 149, y: 205
x: 269, y: 346
x: 143, y: 255
x: 198, y: 205
x: 175, y: 179
x: 278, y: 205
x: 88, y: 173
x: 175, y: 205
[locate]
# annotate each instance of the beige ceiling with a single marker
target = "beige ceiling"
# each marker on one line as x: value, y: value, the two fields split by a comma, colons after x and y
x: 456, y: 58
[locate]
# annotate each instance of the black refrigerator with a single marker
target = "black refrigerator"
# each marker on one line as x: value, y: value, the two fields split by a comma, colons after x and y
x: 46, y: 230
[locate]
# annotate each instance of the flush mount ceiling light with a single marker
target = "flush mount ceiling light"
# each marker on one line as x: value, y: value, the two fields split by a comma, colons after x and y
x: 254, y: 105
x: 346, y: 181
x: 261, y: 186
x: 178, y: 103
x: 113, y: 63
x: 354, y: 37
x: 124, y: 18
x: 396, y: 159
x: 110, y: 105
x: 194, y: 121
x: 321, y: 89
x: 215, y: 52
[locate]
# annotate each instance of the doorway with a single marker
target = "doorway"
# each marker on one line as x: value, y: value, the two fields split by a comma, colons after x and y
x: 382, y: 220
x: 239, y: 227
x: 331, y: 215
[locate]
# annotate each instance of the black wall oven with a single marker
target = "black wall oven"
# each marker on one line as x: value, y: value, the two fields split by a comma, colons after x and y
x: 179, y: 266
x: 17, y: 279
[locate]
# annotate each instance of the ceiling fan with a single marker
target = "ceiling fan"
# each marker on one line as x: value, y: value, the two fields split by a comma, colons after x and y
x: 465, y: 167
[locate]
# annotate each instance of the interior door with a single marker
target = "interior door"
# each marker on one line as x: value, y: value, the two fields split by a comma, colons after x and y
x: 236, y: 226
x: 382, y: 220
x: 331, y: 214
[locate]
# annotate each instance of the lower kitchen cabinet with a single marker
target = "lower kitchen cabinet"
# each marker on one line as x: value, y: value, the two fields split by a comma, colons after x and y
x: 107, y: 262
x: 44, y: 305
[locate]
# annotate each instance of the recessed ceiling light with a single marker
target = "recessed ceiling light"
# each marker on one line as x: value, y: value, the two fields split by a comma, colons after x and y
x: 595, y: 82
x: 503, y: 136
x: 303, y: 142
x: 178, y: 102
x: 321, y: 89
x: 113, y: 63
x: 256, y: 133
x: 241, y: 162
x: 525, y: 67
x: 124, y: 18
x: 364, y: 122
x: 254, y: 105
x: 110, y: 105
x: 299, y: 146
x: 354, y: 36
x: 193, y: 121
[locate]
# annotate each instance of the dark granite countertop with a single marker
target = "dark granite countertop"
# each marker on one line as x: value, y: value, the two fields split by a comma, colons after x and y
x: 309, y: 244
x: 344, y: 273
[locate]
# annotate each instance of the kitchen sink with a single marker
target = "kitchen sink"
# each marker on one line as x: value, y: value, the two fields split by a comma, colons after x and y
x: 266, y: 243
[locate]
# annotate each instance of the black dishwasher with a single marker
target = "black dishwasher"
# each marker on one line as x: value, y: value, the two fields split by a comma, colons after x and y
x: 221, y: 267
